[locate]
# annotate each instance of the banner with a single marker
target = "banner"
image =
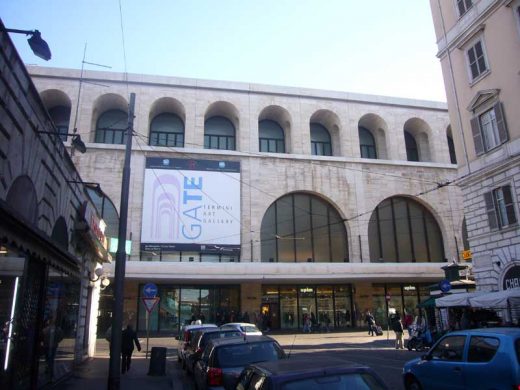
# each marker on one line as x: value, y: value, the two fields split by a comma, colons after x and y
x: 191, y: 205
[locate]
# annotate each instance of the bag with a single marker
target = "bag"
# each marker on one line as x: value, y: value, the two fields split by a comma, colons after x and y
x: 379, y: 331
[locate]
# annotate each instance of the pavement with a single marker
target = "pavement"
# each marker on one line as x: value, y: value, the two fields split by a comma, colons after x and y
x: 93, y: 373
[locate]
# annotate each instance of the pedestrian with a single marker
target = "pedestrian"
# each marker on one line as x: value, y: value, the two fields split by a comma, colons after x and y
x: 128, y: 339
x: 327, y: 321
x: 407, y: 322
x: 306, y: 323
x: 369, y: 319
x: 397, y: 327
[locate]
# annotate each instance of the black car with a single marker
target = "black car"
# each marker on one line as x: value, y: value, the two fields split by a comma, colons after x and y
x: 198, y: 342
x: 309, y: 374
x: 224, y: 359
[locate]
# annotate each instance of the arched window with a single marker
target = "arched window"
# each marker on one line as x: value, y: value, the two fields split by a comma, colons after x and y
x: 106, y: 210
x: 403, y: 230
x: 367, y: 144
x: 219, y: 133
x: 451, y: 148
x: 320, y: 140
x: 167, y: 130
x: 271, y: 137
x: 303, y: 228
x: 111, y: 127
x: 412, y: 152
x: 60, y: 116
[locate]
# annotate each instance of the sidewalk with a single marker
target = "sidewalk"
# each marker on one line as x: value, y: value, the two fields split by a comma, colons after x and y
x: 93, y: 374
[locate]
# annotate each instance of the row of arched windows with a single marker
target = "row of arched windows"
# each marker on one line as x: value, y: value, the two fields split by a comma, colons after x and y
x: 167, y: 129
x: 302, y: 227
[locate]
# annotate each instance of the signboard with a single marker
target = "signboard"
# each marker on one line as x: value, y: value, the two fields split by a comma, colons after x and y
x: 149, y: 303
x: 150, y: 290
x: 511, y: 278
x: 191, y: 205
x: 466, y: 255
x: 445, y: 285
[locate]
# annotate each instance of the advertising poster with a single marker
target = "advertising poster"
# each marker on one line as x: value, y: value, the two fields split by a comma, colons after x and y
x: 191, y: 205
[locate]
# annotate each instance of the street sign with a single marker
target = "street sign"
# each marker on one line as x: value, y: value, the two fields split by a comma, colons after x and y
x: 445, y: 285
x: 150, y: 290
x: 149, y: 303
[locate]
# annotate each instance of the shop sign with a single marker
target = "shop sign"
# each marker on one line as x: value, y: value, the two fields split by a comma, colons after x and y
x: 94, y: 230
x: 511, y: 278
x: 409, y: 288
x: 466, y: 255
x: 305, y: 290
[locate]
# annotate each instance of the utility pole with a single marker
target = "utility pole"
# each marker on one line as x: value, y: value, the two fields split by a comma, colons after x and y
x: 114, y: 374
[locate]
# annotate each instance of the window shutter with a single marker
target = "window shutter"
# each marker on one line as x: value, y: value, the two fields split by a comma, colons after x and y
x: 510, y: 207
x: 491, y: 212
x: 477, y: 136
x: 501, y: 123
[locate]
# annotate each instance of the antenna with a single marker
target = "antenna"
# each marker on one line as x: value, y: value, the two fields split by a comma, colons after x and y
x: 83, y: 62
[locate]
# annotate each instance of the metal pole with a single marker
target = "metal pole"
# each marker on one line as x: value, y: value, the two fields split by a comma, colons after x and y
x: 114, y: 376
x: 147, y: 331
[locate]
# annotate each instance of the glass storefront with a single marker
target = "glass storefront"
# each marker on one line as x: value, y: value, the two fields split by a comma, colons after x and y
x: 288, y: 305
x: 179, y: 306
x: 390, y: 298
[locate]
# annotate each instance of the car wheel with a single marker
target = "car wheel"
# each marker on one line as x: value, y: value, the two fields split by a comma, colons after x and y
x: 413, y: 384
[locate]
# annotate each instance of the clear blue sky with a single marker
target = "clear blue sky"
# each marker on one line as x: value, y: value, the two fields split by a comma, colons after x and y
x: 377, y: 47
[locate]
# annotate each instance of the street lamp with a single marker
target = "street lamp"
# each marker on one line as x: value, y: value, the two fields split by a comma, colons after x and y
x: 76, y: 142
x: 38, y: 45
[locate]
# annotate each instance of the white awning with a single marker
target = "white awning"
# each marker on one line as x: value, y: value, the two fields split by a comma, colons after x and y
x: 497, y: 299
x: 462, y: 299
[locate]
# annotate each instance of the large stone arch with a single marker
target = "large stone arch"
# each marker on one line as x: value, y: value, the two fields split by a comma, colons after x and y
x: 403, y: 229
x: 301, y: 226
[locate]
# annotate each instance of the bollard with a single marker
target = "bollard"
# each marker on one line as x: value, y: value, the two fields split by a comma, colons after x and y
x: 157, y: 361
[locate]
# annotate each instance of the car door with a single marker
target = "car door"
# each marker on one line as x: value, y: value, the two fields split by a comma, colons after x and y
x: 443, y: 368
x: 200, y: 371
x: 484, y: 369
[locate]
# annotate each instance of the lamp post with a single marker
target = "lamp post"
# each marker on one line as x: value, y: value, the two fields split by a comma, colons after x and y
x: 38, y: 45
x: 114, y: 376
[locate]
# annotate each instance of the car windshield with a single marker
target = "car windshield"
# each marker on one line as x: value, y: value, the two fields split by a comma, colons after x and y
x: 335, y: 382
x: 239, y: 355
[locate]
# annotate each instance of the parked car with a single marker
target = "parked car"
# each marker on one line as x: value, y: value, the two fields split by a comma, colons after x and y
x: 199, y: 341
x: 309, y: 373
x: 224, y: 359
x: 244, y: 327
x: 184, y: 338
x: 485, y: 358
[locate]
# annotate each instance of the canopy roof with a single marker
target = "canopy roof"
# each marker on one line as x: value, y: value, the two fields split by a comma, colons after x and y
x: 460, y: 299
x: 497, y: 299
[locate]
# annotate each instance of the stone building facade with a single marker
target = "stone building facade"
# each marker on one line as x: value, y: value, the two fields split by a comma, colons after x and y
x: 327, y: 203
x: 479, y: 50
x: 47, y: 251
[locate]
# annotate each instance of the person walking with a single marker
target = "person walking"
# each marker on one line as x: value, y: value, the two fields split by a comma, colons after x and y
x: 371, y: 322
x: 397, y: 327
x: 128, y: 339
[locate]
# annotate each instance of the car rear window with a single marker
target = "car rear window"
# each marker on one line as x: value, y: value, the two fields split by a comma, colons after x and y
x: 356, y: 381
x: 482, y: 349
x: 250, y: 329
x: 239, y: 355
x: 217, y: 335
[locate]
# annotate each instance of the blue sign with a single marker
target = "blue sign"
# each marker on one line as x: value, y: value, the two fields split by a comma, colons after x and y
x: 445, y: 285
x: 150, y: 290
